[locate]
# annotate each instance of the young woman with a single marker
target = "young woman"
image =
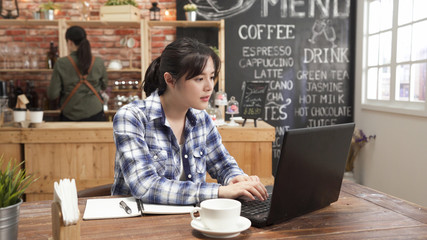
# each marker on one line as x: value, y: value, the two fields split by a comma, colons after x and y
x: 166, y: 143
x: 78, y: 79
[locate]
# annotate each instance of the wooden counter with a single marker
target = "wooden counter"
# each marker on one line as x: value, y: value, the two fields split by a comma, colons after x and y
x: 85, y: 151
x: 53, y: 115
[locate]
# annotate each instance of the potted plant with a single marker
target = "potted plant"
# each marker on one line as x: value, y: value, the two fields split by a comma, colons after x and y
x: 119, y: 10
x: 190, y: 11
x: 358, y: 140
x: 13, y: 183
x: 121, y: 2
x: 48, y: 10
x: 215, y: 49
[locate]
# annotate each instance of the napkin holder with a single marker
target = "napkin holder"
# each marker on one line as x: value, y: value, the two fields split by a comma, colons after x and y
x: 59, y: 230
x: 22, y: 101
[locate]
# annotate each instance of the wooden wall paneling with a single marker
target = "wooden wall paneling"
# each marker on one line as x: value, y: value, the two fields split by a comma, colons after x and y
x: 11, y: 151
x: 10, y: 146
x: 67, y: 135
x: 44, y: 161
x: 85, y: 161
x: 89, y: 164
x: 253, y: 158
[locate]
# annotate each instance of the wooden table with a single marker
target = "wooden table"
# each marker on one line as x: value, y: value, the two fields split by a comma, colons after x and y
x: 360, y: 213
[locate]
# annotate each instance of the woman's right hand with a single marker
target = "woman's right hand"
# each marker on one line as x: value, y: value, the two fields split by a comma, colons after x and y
x: 244, y: 186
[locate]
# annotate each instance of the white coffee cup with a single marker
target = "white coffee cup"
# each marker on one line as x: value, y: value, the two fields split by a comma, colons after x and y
x: 19, y: 115
x: 36, y: 116
x: 218, y: 214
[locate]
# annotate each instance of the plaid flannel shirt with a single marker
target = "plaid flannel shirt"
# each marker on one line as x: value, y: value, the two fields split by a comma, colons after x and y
x: 148, y: 161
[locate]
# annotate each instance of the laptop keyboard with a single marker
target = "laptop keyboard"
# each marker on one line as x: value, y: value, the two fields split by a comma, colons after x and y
x: 256, y: 206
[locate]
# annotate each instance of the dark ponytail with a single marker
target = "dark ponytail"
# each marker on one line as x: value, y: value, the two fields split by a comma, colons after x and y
x: 152, y: 78
x: 183, y: 57
x: 84, y: 53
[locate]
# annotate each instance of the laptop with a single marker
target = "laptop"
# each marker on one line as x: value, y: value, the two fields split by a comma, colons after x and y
x: 309, y: 174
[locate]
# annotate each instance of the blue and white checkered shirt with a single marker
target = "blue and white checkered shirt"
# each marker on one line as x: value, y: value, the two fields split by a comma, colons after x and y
x: 148, y: 160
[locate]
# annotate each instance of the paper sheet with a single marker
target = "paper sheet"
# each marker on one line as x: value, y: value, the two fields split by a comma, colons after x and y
x: 103, y: 208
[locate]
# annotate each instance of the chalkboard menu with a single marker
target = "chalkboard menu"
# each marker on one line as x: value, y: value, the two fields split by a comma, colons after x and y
x: 253, y: 99
x: 303, y: 49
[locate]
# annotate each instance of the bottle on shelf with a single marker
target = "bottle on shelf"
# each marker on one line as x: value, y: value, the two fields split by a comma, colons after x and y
x: 52, y: 55
x: 18, y: 88
x: 12, y: 95
x: 31, y: 95
x: 18, y: 91
x: 28, y: 94
x: 6, y: 114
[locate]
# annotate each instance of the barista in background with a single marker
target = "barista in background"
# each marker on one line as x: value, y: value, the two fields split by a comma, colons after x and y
x: 78, y: 79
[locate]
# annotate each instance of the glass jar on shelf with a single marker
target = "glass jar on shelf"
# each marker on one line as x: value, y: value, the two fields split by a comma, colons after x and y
x: 232, y: 108
x: 215, y: 114
x: 221, y: 98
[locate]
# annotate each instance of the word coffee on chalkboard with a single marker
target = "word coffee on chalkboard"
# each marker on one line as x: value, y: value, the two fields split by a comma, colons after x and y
x: 253, y: 100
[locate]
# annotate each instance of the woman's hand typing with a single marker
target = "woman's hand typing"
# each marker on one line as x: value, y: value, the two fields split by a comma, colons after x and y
x: 244, y: 186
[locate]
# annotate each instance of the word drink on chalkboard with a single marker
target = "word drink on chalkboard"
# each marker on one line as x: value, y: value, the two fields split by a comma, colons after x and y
x: 253, y: 100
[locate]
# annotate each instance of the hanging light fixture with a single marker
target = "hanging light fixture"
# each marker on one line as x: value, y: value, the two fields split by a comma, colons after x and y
x: 154, y: 12
x: 9, y: 9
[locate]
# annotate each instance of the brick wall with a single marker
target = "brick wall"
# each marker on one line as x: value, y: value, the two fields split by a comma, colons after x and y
x: 34, y: 41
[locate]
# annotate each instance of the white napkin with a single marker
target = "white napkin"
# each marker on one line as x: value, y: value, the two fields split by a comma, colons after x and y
x: 65, y: 193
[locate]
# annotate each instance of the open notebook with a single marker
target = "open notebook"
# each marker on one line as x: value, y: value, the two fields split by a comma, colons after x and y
x: 102, y: 208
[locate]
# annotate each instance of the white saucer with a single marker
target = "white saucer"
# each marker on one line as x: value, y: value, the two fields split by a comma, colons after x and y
x: 242, y: 225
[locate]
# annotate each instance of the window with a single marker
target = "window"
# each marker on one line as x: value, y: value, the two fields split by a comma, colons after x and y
x: 395, y: 56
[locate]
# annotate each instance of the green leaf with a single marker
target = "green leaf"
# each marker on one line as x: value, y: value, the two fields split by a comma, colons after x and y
x: 120, y: 2
x: 13, y: 182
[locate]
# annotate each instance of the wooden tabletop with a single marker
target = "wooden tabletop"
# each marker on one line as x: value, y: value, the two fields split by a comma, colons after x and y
x: 360, y: 213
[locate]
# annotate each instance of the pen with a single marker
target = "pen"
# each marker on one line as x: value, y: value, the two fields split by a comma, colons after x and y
x: 125, y: 207
x: 140, y: 206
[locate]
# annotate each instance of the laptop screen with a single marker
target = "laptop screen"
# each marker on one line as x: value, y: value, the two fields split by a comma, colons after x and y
x: 310, y: 170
